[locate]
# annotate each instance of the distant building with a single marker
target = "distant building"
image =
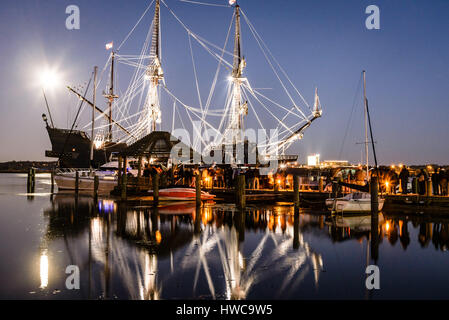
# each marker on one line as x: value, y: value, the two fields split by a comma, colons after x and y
x: 335, y: 163
x: 313, y: 160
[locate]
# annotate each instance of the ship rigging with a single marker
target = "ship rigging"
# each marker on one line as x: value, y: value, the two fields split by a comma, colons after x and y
x: 146, y: 104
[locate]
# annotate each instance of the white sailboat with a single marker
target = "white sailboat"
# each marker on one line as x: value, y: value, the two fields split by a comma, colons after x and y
x: 356, y: 202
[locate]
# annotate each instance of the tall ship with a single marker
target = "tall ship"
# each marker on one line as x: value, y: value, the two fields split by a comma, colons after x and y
x: 213, y: 121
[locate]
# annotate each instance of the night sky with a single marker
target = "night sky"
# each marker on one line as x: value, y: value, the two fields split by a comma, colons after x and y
x: 321, y: 43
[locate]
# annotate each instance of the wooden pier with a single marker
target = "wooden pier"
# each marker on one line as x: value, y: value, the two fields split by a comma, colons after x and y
x: 417, y: 204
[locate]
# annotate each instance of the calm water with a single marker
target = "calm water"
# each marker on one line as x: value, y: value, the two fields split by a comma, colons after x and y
x: 175, y: 251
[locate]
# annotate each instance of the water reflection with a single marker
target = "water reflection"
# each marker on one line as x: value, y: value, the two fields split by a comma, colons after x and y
x: 43, y: 267
x: 215, y: 252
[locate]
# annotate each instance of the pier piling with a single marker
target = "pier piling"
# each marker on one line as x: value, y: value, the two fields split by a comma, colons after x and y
x: 415, y: 185
x: 30, y: 182
x: 198, y: 189
x: 429, y: 187
x: 296, y: 191
x: 321, y: 184
x: 123, y: 187
x: 240, y: 192
x: 296, y: 228
x: 77, y: 182
x: 52, y: 190
x: 96, y: 185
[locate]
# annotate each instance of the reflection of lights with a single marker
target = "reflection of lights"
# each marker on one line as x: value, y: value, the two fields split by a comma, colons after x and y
x: 106, y: 206
x: 44, y: 269
x: 158, y: 236
x: 241, y: 264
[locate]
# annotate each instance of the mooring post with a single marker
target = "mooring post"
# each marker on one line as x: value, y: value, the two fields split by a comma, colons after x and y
x: 123, y: 187
x: 77, y: 182
x: 119, y: 172
x: 52, y: 176
x: 296, y: 191
x: 429, y: 187
x: 198, y: 189
x: 29, y: 181
x: 155, y: 178
x: 125, y: 171
x: 33, y: 179
x: 96, y: 185
x: 334, y: 189
x: 415, y: 185
x: 296, y: 228
x: 240, y: 192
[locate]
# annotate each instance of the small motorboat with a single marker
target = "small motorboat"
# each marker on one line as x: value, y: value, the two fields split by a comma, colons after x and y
x: 182, y: 194
x: 355, y: 202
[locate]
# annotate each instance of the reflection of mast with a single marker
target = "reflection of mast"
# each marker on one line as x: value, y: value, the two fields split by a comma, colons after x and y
x: 154, y: 74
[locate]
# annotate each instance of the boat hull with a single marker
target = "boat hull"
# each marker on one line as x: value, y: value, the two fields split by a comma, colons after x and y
x: 66, y: 182
x: 73, y: 149
x: 352, y: 206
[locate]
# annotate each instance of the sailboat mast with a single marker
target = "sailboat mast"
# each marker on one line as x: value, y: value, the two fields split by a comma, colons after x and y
x: 93, y: 119
x: 366, y: 125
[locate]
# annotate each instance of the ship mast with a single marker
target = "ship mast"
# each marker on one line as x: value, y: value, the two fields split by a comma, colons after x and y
x: 154, y: 75
x: 238, y: 110
x: 93, y: 120
x: 110, y: 96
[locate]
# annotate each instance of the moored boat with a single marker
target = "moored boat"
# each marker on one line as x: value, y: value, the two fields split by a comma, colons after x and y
x: 355, y: 202
x: 66, y: 180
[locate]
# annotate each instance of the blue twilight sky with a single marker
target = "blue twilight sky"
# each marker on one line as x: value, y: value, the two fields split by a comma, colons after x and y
x: 321, y: 43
